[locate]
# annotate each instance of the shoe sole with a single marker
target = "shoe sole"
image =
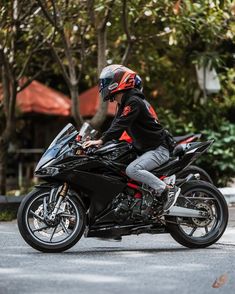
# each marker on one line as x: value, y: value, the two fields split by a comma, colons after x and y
x: 173, y: 203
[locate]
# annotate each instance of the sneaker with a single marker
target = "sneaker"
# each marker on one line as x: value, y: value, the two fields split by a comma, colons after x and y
x: 170, y: 197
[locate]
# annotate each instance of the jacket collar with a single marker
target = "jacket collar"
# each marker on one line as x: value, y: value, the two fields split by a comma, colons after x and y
x: 129, y: 93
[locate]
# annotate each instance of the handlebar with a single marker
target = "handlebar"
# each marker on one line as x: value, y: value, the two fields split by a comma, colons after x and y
x: 75, y: 145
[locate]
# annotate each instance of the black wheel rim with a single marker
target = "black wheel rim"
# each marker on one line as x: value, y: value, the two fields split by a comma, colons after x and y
x: 199, y: 230
x: 57, y: 233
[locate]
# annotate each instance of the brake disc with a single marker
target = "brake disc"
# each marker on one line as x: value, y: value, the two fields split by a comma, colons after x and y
x: 46, y: 233
x: 202, y: 222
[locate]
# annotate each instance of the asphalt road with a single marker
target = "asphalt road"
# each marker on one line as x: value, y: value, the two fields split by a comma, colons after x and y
x: 138, y: 264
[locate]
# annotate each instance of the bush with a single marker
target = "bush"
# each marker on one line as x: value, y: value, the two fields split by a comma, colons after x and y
x: 219, y: 161
x: 7, y: 215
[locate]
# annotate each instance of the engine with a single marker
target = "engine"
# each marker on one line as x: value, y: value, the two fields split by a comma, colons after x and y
x: 128, y: 208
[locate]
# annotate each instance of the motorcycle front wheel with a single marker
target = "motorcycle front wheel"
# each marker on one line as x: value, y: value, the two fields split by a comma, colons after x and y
x: 199, y: 232
x: 43, y: 234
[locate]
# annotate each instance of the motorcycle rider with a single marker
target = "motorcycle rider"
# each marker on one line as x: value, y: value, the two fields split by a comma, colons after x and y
x: 138, y: 85
x: 118, y: 83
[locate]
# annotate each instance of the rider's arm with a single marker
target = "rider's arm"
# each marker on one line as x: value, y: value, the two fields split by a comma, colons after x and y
x: 121, y: 123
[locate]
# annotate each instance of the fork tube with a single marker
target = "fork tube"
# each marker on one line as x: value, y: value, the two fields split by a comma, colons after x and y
x: 62, y: 195
x: 64, y: 190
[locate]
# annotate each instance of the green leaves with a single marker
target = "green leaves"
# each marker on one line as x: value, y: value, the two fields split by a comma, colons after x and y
x: 220, y: 161
x: 169, y: 38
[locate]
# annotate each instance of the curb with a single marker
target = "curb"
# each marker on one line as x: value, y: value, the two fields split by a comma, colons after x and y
x: 229, y: 194
x: 10, y: 202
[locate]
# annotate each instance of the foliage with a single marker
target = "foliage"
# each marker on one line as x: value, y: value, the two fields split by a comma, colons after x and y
x: 17, y: 48
x: 220, y: 159
x: 165, y: 39
x: 7, y: 215
x: 228, y: 82
x: 177, y: 125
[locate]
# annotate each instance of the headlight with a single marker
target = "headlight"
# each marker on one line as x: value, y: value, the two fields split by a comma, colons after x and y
x: 47, y: 171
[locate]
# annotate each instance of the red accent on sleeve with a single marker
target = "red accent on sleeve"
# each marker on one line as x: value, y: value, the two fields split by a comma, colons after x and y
x: 125, y: 137
x: 126, y: 110
x: 152, y: 112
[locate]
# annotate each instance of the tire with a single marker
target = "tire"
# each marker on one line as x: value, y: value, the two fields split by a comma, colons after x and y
x: 191, y: 242
x: 193, y: 169
x: 32, y: 240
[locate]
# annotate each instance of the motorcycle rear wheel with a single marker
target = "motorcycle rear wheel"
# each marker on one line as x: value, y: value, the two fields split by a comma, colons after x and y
x: 58, y: 237
x: 187, y: 236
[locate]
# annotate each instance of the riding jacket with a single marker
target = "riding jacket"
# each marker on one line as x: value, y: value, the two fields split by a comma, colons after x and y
x: 134, y: 117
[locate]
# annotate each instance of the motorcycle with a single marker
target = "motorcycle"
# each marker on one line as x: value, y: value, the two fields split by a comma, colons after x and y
x: 86, y: 191
x: 192, y: 169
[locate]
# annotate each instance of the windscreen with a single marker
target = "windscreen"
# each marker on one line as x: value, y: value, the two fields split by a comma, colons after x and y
x: 57, y: 145
x: 87, y: 132
x: 67, y: 131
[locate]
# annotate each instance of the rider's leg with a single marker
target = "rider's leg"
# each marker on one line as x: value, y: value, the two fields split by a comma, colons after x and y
x: 139, y: 169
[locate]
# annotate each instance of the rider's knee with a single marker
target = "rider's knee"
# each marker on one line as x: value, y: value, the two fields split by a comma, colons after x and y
x: 132, y: 169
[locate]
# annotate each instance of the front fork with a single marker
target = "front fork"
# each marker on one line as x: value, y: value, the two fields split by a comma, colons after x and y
x: 62, y: 195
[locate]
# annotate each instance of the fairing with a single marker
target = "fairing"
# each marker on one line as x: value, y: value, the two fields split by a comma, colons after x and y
x: 58, y: 147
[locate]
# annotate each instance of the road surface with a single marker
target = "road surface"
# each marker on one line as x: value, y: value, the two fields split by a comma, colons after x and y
x: 138, y: 264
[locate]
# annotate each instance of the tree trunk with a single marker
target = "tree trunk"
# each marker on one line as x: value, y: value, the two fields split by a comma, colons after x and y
x: 9, y: 99
x: 3, y: 164
x: 101, y: 114
x: 75, y: 105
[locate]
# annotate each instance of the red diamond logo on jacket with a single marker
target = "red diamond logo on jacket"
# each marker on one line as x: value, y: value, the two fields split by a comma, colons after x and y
x: 126, y: 110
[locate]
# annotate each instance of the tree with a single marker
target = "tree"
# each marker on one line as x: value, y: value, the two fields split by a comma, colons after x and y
x: 162, y: 40
x: 99, y: 21
x: 16, y: 52
x: 68, y: 27
x: 85, y: 16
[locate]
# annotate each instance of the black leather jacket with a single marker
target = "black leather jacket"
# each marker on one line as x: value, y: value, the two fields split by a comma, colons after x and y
x: 134, y: 117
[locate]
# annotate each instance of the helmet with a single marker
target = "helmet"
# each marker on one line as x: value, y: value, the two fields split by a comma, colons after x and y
x: 138, y: 83
x: 115, y: 78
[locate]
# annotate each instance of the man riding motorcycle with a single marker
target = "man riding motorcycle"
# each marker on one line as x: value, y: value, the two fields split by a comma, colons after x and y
x: 118, y: 83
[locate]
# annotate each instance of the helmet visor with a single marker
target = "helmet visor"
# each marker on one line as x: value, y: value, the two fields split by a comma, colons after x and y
x: 103, y: 83
x: 105, y: 94
x: 104, y: 88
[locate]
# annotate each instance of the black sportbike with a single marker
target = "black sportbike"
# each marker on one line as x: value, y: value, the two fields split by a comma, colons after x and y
x: 87, y: 192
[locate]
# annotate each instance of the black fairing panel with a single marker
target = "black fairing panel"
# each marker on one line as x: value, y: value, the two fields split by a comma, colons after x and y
x: 101, y: 189
x: 118, y: 152
x: 173, y: 166
x: 84, y: 163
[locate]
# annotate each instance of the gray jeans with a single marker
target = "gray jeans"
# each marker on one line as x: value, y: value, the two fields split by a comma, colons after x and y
x: 138, y: 170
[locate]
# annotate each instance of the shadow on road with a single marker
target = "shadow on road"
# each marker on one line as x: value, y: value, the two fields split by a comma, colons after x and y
x: 108, y: 250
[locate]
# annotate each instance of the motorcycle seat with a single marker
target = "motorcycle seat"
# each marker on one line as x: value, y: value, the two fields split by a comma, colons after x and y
x: 181, y: 149
x: 182, y: 138
x: 161, y: 170
x: 186, y: 137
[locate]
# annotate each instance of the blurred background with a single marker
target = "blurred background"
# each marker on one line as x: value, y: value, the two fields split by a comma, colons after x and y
x: 51, y: 54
